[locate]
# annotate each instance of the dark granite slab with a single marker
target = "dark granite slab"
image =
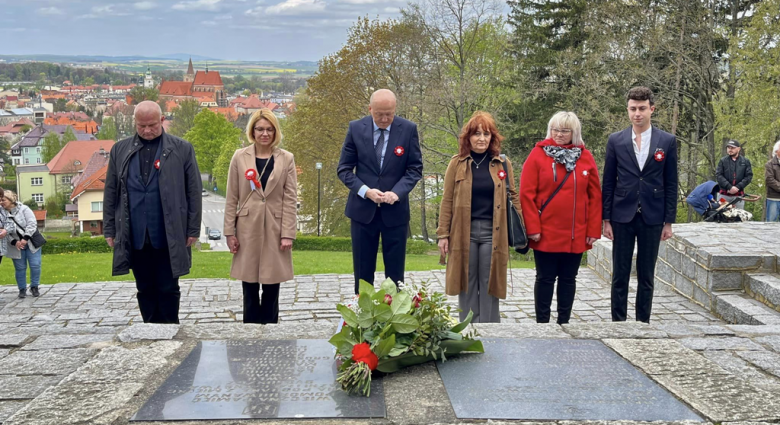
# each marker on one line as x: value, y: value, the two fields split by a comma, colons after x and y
x: 554, y: 380
x: 259, y: 379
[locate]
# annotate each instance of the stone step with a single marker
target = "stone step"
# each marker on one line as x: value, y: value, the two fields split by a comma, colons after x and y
x: 739, y: 308
x: 764, y: 287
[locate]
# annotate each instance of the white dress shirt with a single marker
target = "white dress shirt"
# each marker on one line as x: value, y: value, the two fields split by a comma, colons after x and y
x: 641, y: 154
x: 363, y: 189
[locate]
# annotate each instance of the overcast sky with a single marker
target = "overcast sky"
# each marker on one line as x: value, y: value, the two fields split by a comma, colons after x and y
x: 279, y: 30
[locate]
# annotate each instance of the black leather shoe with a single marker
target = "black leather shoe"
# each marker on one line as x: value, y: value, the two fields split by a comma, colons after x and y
x: 23, y: 293
x: 34, y: 291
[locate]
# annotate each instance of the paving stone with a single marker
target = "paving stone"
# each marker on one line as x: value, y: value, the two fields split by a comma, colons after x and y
x: 8, y: 408
x: 7, y: 341
x: 44, y: 362
x: 50, y: 342
x: 149, y: 331
x: 728, y: 343
x: 773, y: 342
x: 654, y: 357
x: 530, y: 330
x: 631, y: 330
x: 98, y: 392
x: 25, y: 387
x: 4, y: 352
x: 766, y: 360
x: 744, y: 370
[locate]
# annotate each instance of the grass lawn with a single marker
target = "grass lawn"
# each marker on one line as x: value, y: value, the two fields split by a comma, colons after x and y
x: 97, y: 267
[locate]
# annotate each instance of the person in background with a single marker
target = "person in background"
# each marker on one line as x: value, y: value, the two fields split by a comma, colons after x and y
x: 20, y: 226
x: 261, y: 217
x: 734, y: 174
x: 472, y: 220
x: 561, y: 200
x: 772, y: 175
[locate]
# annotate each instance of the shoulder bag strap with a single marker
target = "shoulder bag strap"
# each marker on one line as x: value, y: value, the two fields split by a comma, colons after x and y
x: 566, y: 177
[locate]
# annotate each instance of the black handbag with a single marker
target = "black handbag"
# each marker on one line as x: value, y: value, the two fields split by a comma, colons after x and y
x: 36, y: 238
x: 518, y: 239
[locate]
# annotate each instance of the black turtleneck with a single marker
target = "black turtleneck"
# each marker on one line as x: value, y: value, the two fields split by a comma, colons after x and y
x: 481, y: 187
x: 147, y: 152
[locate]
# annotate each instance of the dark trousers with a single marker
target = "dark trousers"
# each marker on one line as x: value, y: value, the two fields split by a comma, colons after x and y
x: 158, y: 290
x: 647, y: 239
x: 551, y: 265
x: 261, y: 309
x: 365, y: 244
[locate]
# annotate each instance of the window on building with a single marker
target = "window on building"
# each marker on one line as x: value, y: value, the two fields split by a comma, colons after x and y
x: 17, y: 161
x: 97, y: 206
x: 27, y: 160
x: 36, y: 181
x: 66, y: 179
x: 26, y: 150
x: 38, y: 197
x: 93, y: 224
x: 38, y: 160
x: 38, y: 150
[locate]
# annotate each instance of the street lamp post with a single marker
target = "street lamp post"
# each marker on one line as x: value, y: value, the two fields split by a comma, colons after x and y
x: 318, y: 166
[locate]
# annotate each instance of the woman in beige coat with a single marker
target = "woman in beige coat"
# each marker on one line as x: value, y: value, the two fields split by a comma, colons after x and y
x: 260, y: 217
x: 472, y: 220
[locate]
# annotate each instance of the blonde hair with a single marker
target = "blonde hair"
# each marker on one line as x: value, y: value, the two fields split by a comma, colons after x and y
x: 264, y: 113
x: 11, y: 196
x: 564, y: 119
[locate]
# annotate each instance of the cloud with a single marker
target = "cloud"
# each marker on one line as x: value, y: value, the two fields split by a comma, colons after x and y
x: 50, y: 11
x: 197, y: 5
x: 145, y: 5
x: 103, y: 11
x: 391, y: 10
x: 296, y: 7
x: 208, y: 23
x: 225, y: 17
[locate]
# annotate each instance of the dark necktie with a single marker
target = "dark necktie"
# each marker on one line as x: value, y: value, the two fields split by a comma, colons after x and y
x: 380, y: 145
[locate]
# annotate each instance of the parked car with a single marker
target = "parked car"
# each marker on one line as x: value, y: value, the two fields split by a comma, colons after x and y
x: 215, y: 234
x: 204, y: 192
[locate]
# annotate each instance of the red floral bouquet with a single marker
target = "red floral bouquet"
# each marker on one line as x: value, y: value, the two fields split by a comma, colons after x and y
x: 392, y: 328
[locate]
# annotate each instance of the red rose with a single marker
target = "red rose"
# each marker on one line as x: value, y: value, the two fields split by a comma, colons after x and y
x: 416, y: 300
x: 388, y: 299
x: 361, y: 353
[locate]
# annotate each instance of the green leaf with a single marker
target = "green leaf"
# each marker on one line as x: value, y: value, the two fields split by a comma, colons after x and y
x: 382, y: 313
x: 402, y: 303
x: 366, y: 288
x: 452, y: 336
x: 455, y: 347
x: 462, y: 325
x: 365, y: 320
x: 349, y: 316
x: 404, y: 323
x: 397, y: 350
x: 384, y: 346
x: 389, y: 287
x: 365, y: 303
x: 337, y: 339
x: 345, y: 348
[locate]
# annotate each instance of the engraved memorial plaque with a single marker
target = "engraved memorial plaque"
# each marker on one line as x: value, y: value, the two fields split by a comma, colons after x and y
x: 259, y: 379
x: 554, y: 380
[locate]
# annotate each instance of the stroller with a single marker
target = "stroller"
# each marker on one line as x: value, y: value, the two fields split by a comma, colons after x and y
x: 703, y: 199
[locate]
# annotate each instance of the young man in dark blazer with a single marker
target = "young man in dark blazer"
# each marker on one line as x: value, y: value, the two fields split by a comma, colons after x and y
x: 380, y: 163
x: 640, y: 201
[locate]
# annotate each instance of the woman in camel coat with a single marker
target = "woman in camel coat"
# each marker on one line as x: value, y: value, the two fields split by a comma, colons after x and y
x: 261, y: 216
x: 472, y: 220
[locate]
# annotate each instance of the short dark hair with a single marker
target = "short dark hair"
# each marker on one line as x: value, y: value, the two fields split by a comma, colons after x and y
x: 640, y: 93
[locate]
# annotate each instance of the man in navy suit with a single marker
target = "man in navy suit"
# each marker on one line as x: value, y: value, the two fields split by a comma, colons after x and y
x: 380, y: 164
x: 640, y: 201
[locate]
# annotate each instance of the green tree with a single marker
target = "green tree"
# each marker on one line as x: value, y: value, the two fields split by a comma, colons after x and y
x: 107, y: 130
x: 222, y: 164
x: 60, y: 105
x: 89, y: 81
x: 208, y: 136
x: 184, y: 117
x: 68, y: 136
x: 32, y: 204
x: 140, y: 94
x: 51, y: 146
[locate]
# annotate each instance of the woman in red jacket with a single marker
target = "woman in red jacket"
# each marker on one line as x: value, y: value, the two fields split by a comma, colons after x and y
x: 561, y: 199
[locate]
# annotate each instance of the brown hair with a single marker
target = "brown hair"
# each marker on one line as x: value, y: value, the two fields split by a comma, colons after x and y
x: 640, y: 93
x: 484, y: 119
x: 2, y: 193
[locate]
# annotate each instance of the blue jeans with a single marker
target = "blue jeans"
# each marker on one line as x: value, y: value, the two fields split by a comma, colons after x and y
x: 772, y: 210
x: 21, y: 268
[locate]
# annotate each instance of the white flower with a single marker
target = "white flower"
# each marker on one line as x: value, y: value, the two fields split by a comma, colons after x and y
x: 376, y: 302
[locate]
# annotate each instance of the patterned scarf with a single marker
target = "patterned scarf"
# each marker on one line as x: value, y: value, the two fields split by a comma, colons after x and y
x: 567, y: 157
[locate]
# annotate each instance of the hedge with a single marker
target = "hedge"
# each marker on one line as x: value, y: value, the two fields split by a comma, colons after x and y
x: 302, y: 243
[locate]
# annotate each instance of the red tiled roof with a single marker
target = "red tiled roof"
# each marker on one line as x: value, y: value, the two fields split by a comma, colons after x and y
x: 207, y: 78
x: 176, y: 88
x: 76, y: 116
x: 75, y: 155
x: 228, y: 113
x: 98, y: 160
x: 96, y: 181
x: 40, y: 215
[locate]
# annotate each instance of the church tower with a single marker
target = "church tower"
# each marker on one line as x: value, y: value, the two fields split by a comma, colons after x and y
x: 148, y: 81
x: 190, y: 75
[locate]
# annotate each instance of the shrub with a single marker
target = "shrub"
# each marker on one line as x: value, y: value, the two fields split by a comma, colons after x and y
x: 85, y: 234
x: 76, y: 245
x: 341, y: 244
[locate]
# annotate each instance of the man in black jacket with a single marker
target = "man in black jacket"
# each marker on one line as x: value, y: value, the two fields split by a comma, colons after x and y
x: 152, y: 212
x: 734, y: 173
